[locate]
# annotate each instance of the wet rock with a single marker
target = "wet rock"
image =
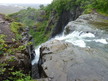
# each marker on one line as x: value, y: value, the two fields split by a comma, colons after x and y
x: 35, y: 71
x: 65, y: 62
x: 87, y: 22
x: 64, y: 18
x: 44, y: 79
x: 26, y: 38
x: 52, y: 46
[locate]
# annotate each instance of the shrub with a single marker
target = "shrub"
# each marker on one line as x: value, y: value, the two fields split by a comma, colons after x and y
x: 16, y: 28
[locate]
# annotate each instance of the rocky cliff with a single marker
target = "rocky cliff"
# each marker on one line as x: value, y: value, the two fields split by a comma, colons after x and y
x: 12, y: 59
x: 66, y: 59
x: 63, y: 19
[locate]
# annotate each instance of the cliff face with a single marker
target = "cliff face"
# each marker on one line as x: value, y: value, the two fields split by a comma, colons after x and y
x: 64, y: 18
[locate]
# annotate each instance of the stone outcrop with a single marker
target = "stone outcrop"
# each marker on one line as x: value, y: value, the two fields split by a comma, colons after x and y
x: 88, y: 23
x: 52, y: 47
x: 72, y: 63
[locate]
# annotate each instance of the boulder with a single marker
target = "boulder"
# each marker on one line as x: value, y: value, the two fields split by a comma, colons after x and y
x: 87, y: 22
x: 66, y: 62
x: 52, y: 46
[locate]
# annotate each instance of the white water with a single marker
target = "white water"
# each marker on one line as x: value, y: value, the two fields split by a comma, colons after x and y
x: 104, y: 41
x: 37, y: 56
x: 76, y: 38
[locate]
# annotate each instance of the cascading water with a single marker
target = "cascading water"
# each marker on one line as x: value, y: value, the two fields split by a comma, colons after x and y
x: 78, y: 38
x: 37, y: 55
x: 82, y: 35
x: 81, y: 38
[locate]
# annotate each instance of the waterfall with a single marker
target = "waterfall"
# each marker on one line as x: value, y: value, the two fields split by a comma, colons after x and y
x: 82, y: 43
x: 77, y: 38
x: 37, y: 55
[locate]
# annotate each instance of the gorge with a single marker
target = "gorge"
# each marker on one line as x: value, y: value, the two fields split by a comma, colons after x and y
x: 79, y: 54
x: 66, y: 40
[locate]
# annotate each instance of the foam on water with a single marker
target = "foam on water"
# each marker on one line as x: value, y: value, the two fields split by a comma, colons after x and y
x: 76, y: 38
x: 90, y: 35
x: 101, y: 41
x: 37, y: 55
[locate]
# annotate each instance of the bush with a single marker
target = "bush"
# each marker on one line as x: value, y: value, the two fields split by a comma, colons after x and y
x: 98, y: 5
x: 27, y: 16
x: 7, y: 72
x: 16, y: 28
x: 2, y: 44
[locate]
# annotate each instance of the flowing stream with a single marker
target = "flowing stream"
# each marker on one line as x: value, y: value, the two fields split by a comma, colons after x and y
x: 80, y: 39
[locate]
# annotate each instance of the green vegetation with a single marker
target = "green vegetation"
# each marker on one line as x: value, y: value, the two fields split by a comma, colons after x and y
x: 61, y: 5
x: 27, y: 16
x: 39, y: 35
x: 16, y: 28
x: 10, y: 73
x: 97, y: 5
x: 30, y: 17
x: 8, y: 55
x: 2, y: 44
x: 19, y: 76
x: 38, y: 21
x: 100, y: 5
